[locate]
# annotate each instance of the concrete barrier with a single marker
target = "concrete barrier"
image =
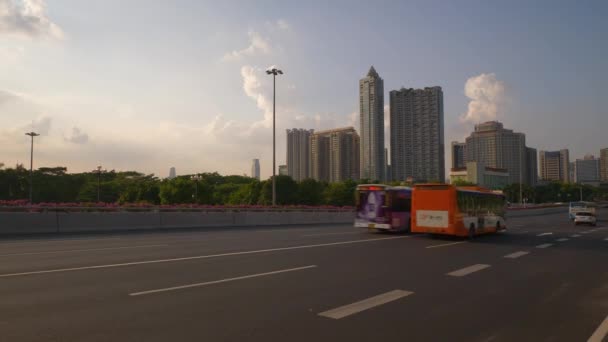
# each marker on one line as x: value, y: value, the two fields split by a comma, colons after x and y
x: 12, y: 223
x: 536, y: 212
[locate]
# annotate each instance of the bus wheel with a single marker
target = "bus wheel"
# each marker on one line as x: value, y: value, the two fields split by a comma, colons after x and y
x: 471, y: 232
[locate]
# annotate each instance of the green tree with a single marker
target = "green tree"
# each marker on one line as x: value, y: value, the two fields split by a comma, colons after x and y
x: 340, y: 194
x: 310, y: 192
x: 286, y: 189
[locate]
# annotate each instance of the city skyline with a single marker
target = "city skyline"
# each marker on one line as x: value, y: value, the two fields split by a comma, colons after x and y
x: 216, y: 97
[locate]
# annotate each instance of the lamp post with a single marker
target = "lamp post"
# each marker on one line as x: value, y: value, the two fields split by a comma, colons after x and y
x: 32, y: 135
x: 99, y: 171
x: 274, y: 72
x: 196, y: 178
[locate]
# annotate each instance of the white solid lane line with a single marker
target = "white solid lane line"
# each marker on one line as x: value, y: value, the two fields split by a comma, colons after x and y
x: 468, y: 270
x: 446, y: 244
x: 600, y: 332
x: 197, y: 257
x: 82, y: 250
x: 516, y: 255
x: 174, y: 288
x: 544, y: 234
x: 544, y: 245
x: 562, y: 240
x: 365, y: 304
x: 327, y: 234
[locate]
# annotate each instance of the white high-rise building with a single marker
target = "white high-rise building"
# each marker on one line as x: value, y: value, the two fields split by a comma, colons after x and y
x: 255, y: 169
x: 371, y: 114
x: 172, y: 173
x: 417, y: 137
x: 298, y: 153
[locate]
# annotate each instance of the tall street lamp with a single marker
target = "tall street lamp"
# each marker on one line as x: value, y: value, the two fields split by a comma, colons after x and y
x: 196, y: 178
x: 32, y: 135
x: 274, y: 72
x: 99, y: 171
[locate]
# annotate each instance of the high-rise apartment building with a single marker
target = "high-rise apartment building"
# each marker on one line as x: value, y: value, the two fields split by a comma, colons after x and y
x: 255, y: 169
x: 604, y: 164
x: 371, y: 115
x: 493, y: 146
x: 417, y: 137
x: 172, y: 173
x: 459, y: 155
x: 298, y: 153
x: 335, y: 155
x: 587, y: 170
x: 555, y: 165
x: 532, y: 166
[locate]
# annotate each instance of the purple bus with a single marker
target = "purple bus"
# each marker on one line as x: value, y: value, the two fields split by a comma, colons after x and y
x: 383, y: 208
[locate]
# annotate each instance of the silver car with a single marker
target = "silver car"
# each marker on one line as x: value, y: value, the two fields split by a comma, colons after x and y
x: 585, y: 218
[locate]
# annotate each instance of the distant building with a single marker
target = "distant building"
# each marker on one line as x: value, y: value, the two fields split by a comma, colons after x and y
x: 476, y: 173
x: 459, y: 155
x: 572, y: 173
x: 587, y: 170
x: 298, y: 153
x: 172, y: 173
x: 255, y: 169
x: 604, y: 164
x: 555, y: 165
x: 417, y: 136
x: 532, y: 166
x: 494, y: 146
x: 388, y: 176
x: 335, y: 155
x: 283, y: 170
x: 371, y: 115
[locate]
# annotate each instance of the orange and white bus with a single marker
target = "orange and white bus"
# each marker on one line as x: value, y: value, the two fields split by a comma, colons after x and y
x: 460, y: 211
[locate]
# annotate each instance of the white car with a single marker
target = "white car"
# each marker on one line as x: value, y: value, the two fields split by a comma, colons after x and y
x: 585, y: 218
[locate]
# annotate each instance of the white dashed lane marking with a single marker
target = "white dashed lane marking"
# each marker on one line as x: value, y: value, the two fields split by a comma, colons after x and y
x: 468, y: 270
x: 516, y: 255
x: 544, y: 245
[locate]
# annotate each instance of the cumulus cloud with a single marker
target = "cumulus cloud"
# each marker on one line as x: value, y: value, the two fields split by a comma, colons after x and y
x: 487, y: 98
x: 27, y: 18
x: 77, y: 136
x: 257, y: 45
x: 41, y: 125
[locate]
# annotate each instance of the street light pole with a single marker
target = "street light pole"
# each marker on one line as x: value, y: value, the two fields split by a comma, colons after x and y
x: 32, y: 135
x: 274, y: 72
x: 98, y: 183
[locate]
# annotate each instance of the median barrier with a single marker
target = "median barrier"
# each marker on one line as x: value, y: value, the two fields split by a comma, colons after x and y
x: 28, y: 223
x: 71, y: 222
x: 536, y: 211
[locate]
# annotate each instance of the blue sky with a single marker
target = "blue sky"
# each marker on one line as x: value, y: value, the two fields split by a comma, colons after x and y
x: 148, y: 85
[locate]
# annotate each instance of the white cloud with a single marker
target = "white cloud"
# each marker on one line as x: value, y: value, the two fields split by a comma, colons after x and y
x: 488, y: 98
x: 257, y: 45
x: 27, y: 18
x: 77, y: 136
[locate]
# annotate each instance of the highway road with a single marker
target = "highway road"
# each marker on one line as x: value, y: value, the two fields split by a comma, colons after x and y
x: 542, y: 280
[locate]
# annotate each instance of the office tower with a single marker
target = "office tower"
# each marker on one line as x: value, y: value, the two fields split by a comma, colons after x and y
x: 255, y: 169
x: 282, y: 170
x: 587, y: 170
x: 172, y: 173
x: 298, y: 153
x: 531, y: 166
x: 604, y: 165
x: 417, y: 146
x: 335, y: 155
x: 493, y: 146
x: 459, y: 155
x: 371, y: 114
x: 555, y: 166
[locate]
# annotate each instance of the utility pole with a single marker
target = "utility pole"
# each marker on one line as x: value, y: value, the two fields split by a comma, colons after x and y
x: 32, y: 135
x: 274, y: 72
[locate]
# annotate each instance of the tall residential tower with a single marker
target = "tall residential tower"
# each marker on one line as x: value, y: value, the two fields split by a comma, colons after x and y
x: 371, y: 114
x: 335, y: 155
x: 255, y: 169
x: 298, y: 153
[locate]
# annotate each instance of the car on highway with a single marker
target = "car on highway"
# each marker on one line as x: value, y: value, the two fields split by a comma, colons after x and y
x: 585, y: 217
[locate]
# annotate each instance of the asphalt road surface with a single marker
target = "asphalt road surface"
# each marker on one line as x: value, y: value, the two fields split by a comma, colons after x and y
x: 542, y: 280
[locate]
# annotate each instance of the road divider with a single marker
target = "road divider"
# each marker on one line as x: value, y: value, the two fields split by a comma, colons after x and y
x: 183, y: 287
x: 351, y: 309
x: 82, y: 250
x: 197, y: 257
x: 468, y: 270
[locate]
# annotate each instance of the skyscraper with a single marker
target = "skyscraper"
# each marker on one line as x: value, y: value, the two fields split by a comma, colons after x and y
x: 172, y: 173
x: 555, y: 165
x: 494, y: 146
x: 298, y: 153
x: 255, y: 169
x: 417, y: 146
x: 335, y: 155
x: 532, y: 166
x: 587, y: 170
x: 459, y: 155
x: 371, y: 114
x: 604, y: 164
